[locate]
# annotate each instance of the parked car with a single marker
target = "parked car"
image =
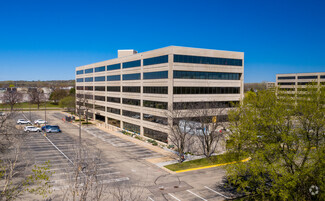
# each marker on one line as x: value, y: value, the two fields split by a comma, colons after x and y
x: 2, y: 114
x: 53, y: 129
x: 23, y: 121
x: 47, y: 127
x: 40, y: 121
x: 32, y: 129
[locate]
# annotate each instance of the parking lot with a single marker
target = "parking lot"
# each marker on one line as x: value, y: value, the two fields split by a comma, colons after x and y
x: 121, y: 161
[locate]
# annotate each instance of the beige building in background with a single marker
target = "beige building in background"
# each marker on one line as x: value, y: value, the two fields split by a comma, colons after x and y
x: 135, y: 90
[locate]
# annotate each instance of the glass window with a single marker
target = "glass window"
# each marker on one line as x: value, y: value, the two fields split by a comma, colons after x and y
x: 131, y: 127
x: 131, y: 89
x: 204, y: 105
x: 113, y: 110
x: 99, y: 107
x: 206, y: 75
x: 155, y: 90
x: 113, y: 77
x: 207, y: 60
x: 100, y: 79
x: 287, y: 78
x: 156, y: 75
x: 206, y: 90
x: 322, y: 77
x: 287, y: 89
x: 80, y: 79
x: 89, y: 88
x: 286, y: 83
x: 114, y: 67
x: 127, y: 113
x: 155, y: 119
x: 132, y: 64
x: 80, y: 88
x: 157, y: 135
x: 304, y: 83
x: 90, y: 70
x: 114, y: 99
x: 135, y: 76
x: 307, y: 77
x: 155, y: 60
x: 100, y: 69
x: 79, y: 72
x: 131, y: 101
x: 114, y: 122
x: 114, y: 88
x: 155, y: 104
x: 100, y: 98
x: 99, y: 88
x: 89, y: 79
x: 90, y: 97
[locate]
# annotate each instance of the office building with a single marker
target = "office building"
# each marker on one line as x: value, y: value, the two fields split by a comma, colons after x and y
x: 135, y: 90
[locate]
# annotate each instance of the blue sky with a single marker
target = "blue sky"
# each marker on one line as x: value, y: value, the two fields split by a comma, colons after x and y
x: 46, y: 40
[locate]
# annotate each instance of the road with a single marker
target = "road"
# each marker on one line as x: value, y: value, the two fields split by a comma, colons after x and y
x: 121, y: 161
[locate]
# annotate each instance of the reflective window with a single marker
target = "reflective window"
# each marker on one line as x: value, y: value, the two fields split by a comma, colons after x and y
x: 114, y: 67
x: 80, y: 96
x: 89, y: 106
x: 90, y: 70
x: 155, y: 75
x: 113, y: 99
x: 89, y: 88
x: 114, y: 88
x: 80, y: 79
x: 90, y: 97
x: 322, y: 76
x: 157, y: 135
x: 155, y: 104
x: 99, y: 88
x: 114, y: 122
x: 307, y: 77
x: 155, y: 119
x: 206, y: 75
x: 287, y: 89
x: 99, y: 107
x: 79, y: 72
x: 131, y: 127
x: 113, y: 110
x: 286, y: 83
x: 100, y: 79
x: 100, y: 69
x: 155, y: 60
x: 304, y: 83
x: 88, y: 79
x: 127, y: 113
x: 132, y: 64
x: 206, y: 90
x: 131, y: 101
x: 287, y: 78
x: 113, y: 77
x: 204, y: 105
x: 100, y: 98
x: 155, y: 90
x: 80, y: 88
x: 131, y: 89
x: 135, y: 76
x: 207, y: 60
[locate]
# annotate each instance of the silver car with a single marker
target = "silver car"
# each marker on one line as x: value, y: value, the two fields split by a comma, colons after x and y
x: 32, y: 129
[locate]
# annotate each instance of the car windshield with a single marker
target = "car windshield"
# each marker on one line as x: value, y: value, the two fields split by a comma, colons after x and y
x: 55, y: 127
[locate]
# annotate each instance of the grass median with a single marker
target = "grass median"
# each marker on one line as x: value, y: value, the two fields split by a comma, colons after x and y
x: 28, y: 105
x: 206, y: 162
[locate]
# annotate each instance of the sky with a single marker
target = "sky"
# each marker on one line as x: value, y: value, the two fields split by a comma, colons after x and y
x: 46, y: 40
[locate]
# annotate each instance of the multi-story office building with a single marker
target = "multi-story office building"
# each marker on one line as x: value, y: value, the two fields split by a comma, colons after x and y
x: 297, y: 81
x: 135, y: 90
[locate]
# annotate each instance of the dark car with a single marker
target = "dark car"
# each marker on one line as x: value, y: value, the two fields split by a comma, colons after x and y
x: 53, y: 129
x: 47, y: 127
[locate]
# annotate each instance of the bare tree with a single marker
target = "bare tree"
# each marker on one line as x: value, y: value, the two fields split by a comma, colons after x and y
x: 12, y: 98
x: 181, y: 131
x: 211, y: 118
x: 37, y: 96
x: 125, y: 191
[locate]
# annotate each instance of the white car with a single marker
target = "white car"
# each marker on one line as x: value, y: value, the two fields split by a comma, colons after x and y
x: 2, y: 114
x: 32, y: 129
x: 23, y: 121
x: 40, y: 121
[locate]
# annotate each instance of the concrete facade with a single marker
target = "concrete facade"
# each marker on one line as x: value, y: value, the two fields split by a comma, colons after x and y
x: 169, y: 81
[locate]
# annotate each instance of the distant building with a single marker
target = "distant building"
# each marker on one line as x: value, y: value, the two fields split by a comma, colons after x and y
x: 134, y: 91
x: 270, y: 85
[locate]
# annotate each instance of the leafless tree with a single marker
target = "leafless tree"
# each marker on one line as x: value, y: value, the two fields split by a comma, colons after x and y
x: 181, y: 130
x: 37, y: 96
x: 12, y: 98
x: 211, y: 118
x: 125, y: 191
x: 83, y: 106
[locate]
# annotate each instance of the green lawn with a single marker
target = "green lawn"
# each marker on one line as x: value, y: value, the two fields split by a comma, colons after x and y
x: 27, y: 105
x: 214, y: 160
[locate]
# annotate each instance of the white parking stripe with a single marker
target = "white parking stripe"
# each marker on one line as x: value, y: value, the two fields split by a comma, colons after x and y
x: 196, y: 195
x: 151, y: 199
x: 173, y: 197
x: 217, y: 192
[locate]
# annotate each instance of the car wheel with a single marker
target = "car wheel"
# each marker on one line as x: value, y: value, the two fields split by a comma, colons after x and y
x: 28, y: 131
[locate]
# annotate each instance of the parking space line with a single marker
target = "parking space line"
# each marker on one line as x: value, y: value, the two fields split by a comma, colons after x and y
x: 173, y: 197
x: 151, y: 199
x: 196, y: 195
x: 217, y: 192
x: 60, y: 151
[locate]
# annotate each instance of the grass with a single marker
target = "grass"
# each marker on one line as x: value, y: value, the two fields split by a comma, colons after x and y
x: 27, y: 106
x: 213, y: 160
